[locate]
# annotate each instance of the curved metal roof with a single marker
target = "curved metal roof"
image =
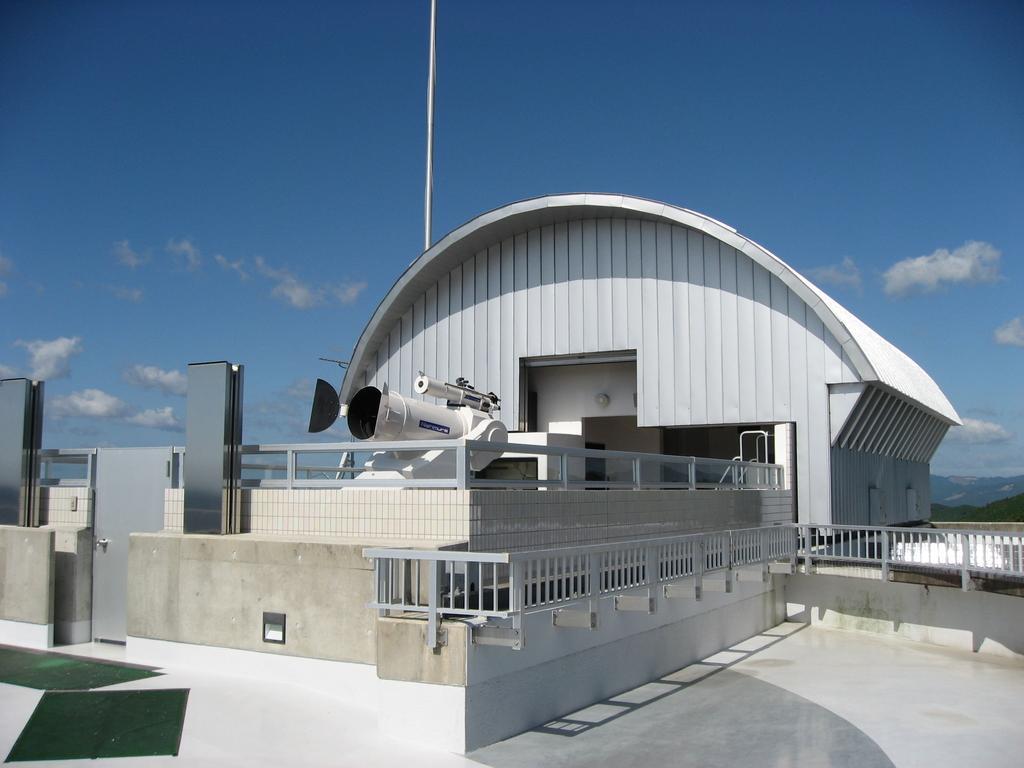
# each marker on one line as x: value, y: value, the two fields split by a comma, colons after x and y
x: 874, y: 358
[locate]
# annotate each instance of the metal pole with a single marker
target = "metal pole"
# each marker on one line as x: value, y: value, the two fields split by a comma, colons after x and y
x: 428, y: 197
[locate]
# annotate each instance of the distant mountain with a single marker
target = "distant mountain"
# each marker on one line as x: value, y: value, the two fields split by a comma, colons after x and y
x: 974, y: 491
x: 1009, y: 510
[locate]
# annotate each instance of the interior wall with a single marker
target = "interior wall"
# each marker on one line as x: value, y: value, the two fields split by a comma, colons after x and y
x: 620, y: 433
x: 566, y: 394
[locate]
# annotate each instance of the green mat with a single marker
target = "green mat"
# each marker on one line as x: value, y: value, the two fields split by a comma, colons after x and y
x: 53, y: 672
x: 68, y: 725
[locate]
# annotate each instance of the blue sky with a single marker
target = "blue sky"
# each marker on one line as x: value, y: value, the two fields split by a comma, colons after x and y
x: 208, y: 180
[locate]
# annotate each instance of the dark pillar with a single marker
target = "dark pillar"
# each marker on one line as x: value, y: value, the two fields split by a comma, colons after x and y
x: 21, y: 436
x: 213, y: 442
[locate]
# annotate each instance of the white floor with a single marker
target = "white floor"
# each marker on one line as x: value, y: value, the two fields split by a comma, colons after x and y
x: 922, y: 705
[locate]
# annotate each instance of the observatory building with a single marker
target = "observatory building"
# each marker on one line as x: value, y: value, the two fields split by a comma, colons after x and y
x: 639, y: 326
x: 597, y: 440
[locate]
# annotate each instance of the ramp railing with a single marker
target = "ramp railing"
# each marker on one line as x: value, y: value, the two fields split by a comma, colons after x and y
x: 496, y: 591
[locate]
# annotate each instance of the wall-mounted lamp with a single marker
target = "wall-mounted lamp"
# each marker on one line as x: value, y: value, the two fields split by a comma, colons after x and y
x: 273, y: 628
x: 602, y: 399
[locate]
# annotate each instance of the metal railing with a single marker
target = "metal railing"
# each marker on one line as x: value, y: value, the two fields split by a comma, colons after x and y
x: 486, y: 587
x: 337, y: 465
x: 432, y: 584
x: 75, y: 467
x: 929, y: 549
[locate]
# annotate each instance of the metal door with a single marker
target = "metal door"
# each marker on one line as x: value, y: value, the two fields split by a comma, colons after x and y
x: 130, y: 484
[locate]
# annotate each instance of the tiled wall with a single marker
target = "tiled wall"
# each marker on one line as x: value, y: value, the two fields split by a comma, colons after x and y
x: 430, y: 515
x: 65, y: 506
x: 497, y: 520
x: 504, y: 521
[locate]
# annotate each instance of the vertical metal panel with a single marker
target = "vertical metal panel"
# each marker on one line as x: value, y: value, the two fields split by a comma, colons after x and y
x: 814, y: 481
x: 589, y: 286
x: 509, y: 364
x: 665, y: 316
x: 520, y: 348
x: 443, y: 339
x: 729, y: 340
x: 713, y: 328
x: 856, y: 473
x: 213, y: 438
x: 405, y: 374
x: 574, y: 303
x: 649, y: 357
x: 763, y: 342
x: 493, y: 337
x: 548, y: 318
x: 780, y: 348
x: 21, y: 418
x: 563, y: 327
x: 834, y: 360
x: 745, y: 336
x: 534, y: 315
x: 418, y: 328
x: 796, y: 312
x: 480, y: 337
x: 455, y: 322
x: 634, y: 295
x: 604, y: 284
x: 468, y: 318
x: 620, y: 275
x: 395, y: 354
x: 681, y: 325
x: 429, y: 359
x: 698, y: 335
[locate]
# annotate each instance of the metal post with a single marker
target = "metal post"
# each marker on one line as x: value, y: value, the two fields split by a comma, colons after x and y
x: 563, y: 461
x: 636, y: 472
x: 693, y: 474
x: 290, y: 460
x: 515, y: 604
x: 885, y: 555
x: 461, y: 466
x: 965, y: 562
x: 433, y: 598
x: 428, y: 195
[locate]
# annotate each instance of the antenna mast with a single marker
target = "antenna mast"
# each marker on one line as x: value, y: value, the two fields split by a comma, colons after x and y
x: 428, y: 197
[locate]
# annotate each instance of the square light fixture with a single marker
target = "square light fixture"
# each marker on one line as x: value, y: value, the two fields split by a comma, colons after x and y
x: 273, y: 628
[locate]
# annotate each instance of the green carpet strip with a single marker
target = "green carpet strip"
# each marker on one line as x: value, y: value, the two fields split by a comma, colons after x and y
x: 68, y: 725
x: 53, y: 672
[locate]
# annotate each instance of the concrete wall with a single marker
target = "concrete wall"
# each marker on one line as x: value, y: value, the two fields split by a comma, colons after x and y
x: 498, y: 520
x: 972, y: 621
x: 72, y: 597
x: 26, y: 586
x: 213, y: 590
x: 558, y: 671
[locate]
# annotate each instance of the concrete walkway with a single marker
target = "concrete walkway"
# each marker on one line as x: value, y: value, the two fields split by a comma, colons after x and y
x: 793, y: 696
x: 798, y: 696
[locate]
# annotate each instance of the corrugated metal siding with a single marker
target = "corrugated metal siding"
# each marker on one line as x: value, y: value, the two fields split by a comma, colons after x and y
x: 719, y: 339
x: 855, y: 473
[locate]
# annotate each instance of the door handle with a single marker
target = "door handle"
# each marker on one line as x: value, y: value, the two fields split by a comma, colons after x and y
x: 102, y: 543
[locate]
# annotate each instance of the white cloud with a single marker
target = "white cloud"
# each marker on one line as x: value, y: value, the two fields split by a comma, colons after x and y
x: 187, y: 250
x: 1011, y: 333
x: 237, y: 266
x: 92, y: 403
x: 843, y: 275
x: 155, y: 418
x: 972, y: 262
x: 346, y: 293
x: 6, y: 372
x: 127, y: 256
x: 51, y: 359
x: 134, y: 295
x: 979, y: 432
x: 97, y: 404
x: 151, y: 377
x: 289, y: 288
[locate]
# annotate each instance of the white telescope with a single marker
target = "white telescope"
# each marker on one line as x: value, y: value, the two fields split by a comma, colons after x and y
x: 376, y: 415
x: 459, y: 393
